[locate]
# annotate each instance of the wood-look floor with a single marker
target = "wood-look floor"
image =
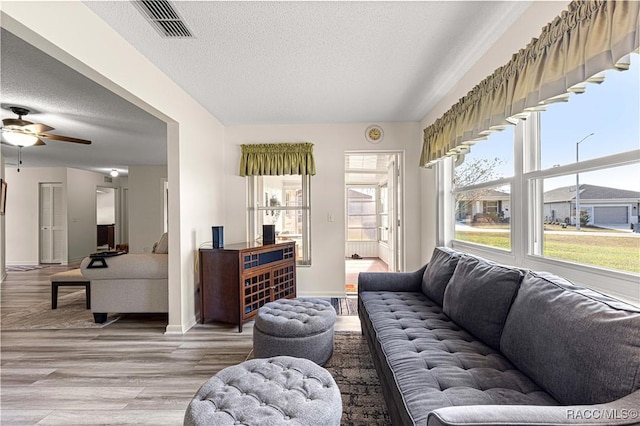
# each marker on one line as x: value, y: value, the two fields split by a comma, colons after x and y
x: 354, y: 266
x: 127, y: 373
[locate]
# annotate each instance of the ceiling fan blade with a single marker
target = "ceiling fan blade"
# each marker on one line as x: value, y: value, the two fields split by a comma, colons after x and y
x: 64, y: 138
x: 15, y: 122
x: 37, y: 128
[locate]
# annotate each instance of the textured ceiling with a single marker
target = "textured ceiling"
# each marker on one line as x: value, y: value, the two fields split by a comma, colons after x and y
x: 122, y: 134
x: 256, y: 63
x: 318, y: 62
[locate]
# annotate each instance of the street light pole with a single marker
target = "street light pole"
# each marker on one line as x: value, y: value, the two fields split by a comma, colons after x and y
x: 578, y: 183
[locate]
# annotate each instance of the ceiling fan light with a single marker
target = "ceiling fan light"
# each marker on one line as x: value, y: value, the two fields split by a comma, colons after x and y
x: 20, y: 139
x: 114, y: 173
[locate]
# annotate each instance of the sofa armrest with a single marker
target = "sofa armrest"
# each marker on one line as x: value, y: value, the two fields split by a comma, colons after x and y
x: 624, y: 411
x: 391, y: 281
x: 129, y: 266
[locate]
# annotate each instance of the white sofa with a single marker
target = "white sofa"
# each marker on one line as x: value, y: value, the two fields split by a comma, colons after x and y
x: 130, y: 283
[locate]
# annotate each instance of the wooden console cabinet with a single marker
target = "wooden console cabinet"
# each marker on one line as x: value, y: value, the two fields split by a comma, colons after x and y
x: 235, y: 281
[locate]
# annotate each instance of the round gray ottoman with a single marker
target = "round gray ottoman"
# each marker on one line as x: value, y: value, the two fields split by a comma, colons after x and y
x: 295, y: 327
x: 272, y: 391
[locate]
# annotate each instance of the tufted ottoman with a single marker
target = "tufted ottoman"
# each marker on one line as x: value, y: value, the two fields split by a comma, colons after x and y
x: 272, y: 391
x: 295, y: 327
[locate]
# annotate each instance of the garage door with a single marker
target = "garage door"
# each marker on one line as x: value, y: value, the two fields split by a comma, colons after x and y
x: 616, y: 214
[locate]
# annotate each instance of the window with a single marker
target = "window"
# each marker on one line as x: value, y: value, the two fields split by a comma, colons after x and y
x: 361, y: 214
x: 515, y: 194
x: 482, y: 192
x: 591, y: 143
x: 282, y: 201
x: 482, y: 216
x: 607, y: 213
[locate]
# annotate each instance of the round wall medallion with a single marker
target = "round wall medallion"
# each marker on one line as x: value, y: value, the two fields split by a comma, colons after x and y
x: 374, y: 134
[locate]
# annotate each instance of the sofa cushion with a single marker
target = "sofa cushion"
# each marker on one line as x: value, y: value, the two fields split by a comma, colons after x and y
x: 479, y: 296
x: 129, y: 267
x: 162, y: 246
x: 438, y: 273
x: 435, y: 363
x: 578, y: 344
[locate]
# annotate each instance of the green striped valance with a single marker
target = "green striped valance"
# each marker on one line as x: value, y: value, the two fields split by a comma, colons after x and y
x: 270, y: 159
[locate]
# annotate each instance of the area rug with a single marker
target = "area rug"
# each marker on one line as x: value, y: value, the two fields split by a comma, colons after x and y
x: 352, y: 369
x: 24, y: 268
x: 72, y: 313
x: 347, y: 306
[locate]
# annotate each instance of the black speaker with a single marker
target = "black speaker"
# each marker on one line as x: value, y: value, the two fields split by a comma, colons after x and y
x: 268, y: 234
x: 217, y: 237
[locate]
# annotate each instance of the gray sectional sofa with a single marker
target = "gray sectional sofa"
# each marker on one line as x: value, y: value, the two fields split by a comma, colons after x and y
x: 465, y: 341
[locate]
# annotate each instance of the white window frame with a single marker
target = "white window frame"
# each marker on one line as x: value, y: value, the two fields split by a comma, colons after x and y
x: 254, y: 208
x: 376, y: 214
x: 383, y: 231
x: 527, y: 233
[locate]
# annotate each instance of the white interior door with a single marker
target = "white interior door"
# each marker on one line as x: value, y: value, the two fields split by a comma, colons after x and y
x: 52, y: 224
x: 393, y: 208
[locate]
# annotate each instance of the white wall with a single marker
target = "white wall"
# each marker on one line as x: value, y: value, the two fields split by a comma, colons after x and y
x: 325, y: 277
x: 22, y: 212
x: 145, y: 206
x: 3, y: 256
x: 195, y: 138
x: 78, y: 206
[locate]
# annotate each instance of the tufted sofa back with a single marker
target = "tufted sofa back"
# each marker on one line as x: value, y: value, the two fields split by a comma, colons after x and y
x: 581, y: 346
x: 438, y: 273
x: 479, y: 296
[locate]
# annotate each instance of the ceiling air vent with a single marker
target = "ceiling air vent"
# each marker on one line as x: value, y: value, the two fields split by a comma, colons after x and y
x: 164, y: 18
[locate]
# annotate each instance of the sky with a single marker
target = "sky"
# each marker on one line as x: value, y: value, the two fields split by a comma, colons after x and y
x: 611, y: 111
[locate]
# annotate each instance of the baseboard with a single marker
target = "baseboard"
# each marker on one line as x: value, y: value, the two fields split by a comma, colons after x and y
x: 323, y: 294
x: 181, y: 329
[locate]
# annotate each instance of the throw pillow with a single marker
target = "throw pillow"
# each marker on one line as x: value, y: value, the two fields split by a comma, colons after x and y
x: 163, y: 244
x: 479, y: 296
x: 438, y: 273
x: 579, y: 345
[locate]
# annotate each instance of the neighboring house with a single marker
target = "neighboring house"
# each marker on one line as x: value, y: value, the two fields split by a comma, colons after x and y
x: 605, y: 206
x: 475, y: 206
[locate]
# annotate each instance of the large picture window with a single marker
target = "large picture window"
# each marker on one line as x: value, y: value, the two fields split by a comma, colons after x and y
x: 588, y: 184
x: 282, y: 201
x: 589, y: 142
x: 482, y: 192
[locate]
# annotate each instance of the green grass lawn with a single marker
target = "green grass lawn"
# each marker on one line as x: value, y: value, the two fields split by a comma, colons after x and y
x: 620, y: 253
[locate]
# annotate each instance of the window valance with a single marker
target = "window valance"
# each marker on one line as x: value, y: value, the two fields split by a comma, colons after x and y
x: 277, y: 159
x: 586, y: 39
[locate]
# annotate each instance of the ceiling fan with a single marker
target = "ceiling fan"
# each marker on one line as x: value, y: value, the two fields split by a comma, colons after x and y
x: 22, y: 133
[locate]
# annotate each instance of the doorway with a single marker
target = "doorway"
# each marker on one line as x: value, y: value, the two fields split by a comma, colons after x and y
x: 373, y: 204
x: 106, y: 218
x: 52, y: 223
